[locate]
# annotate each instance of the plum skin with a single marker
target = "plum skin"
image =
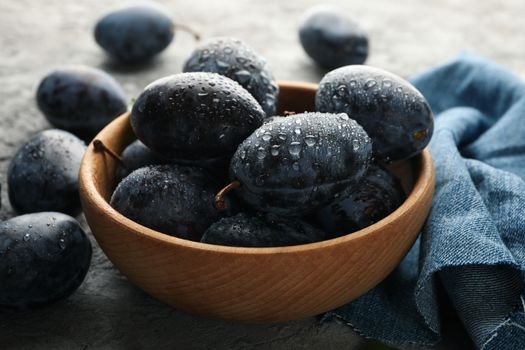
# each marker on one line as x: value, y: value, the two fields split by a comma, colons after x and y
x: 392, y: 111
x: 331, y: 39
x: 377, y: 195
x: 43, y: 173
x: 134, y: 34
x: 294, y: 164
x: 80, y: 99
x: 137, y: 155
x: 195, y: 116
x: 261, y: 230
x: 234, y: 59
x: 173, y: 199
x: 45, y: 258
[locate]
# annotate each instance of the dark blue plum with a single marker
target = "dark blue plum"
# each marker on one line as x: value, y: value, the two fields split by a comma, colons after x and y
x: 392, y: 111
x: 294, y: 164
x: 135, y: 34
x: 234, y: 59
x: 80, y: 99
x: 218, y: 168
x: 377, y: 195
x: 138, y: 155
x: 195, y: 116
x: 332, y: 39
x: 44, y: 257
x: 42, y: 176
x: 261, y: 230
x: 173, y: 199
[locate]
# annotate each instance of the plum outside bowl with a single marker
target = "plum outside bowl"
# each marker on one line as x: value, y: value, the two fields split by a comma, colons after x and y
x: 252, y: 284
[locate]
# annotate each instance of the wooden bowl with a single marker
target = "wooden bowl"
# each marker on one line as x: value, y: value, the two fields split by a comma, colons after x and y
x: 251, y: 284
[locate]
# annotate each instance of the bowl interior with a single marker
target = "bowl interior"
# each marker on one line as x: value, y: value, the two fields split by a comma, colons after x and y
x: 294, y: 97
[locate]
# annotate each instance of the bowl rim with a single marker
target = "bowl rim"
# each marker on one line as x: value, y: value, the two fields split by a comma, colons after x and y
x: 90, y: 195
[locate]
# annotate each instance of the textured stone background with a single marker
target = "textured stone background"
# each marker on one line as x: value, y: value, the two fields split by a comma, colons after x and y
x: 108, y: 312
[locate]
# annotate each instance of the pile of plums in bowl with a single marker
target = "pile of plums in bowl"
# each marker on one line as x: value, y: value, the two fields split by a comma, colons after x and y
x: 272, y: 178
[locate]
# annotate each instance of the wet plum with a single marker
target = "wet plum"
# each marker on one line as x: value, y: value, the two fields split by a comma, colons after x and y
x: 261, y: 230
x: 44, y: 257
x: 195, y: 116
x: 173, y: 199
x: 138, y: 155
x: 332, y: 39
x: 234, y: 59
x: 42, y: 175
x: 392, y: 111
x: 80, y: 99
x: 136, y: 33
x: 377, y: 195
x: 294, y: 164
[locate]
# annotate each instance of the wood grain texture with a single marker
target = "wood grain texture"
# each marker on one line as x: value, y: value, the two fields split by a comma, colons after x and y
x: 251, y: 284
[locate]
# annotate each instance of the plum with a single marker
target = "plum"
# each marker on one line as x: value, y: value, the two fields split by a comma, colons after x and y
x: 392, y: 111
x: 234, y: 59
x: 377, y: 195
x: 173, y: 199
x: 332, y: 39
x: 134, y: 34
x: 44, y: 257
x: 195, y: 116
x: 294, y: 164
x: 261, y: 230
x: 80, y: 99
x: 43, y: 174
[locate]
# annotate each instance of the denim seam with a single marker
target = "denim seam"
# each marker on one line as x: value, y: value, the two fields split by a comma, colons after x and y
x: 507, y: 321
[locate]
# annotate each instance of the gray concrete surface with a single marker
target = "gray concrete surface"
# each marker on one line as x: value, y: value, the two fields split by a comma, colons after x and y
x: 108, y: 312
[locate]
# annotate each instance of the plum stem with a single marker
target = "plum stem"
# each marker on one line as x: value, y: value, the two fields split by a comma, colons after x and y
x: 101, y: 147
x: 220, y: 202
x: 187, y: 29
x: 288, y: 113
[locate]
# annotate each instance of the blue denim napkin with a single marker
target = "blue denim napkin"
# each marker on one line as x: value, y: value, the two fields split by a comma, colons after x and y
x: 473, y: 244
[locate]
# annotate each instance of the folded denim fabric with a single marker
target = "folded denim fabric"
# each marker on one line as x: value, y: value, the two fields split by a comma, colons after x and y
x: 473, y: 243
